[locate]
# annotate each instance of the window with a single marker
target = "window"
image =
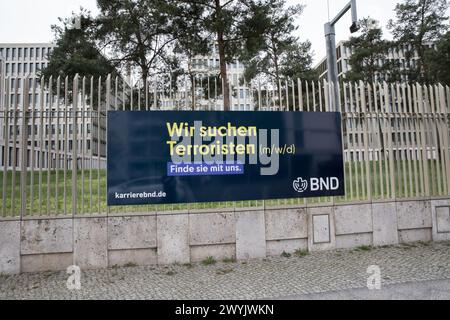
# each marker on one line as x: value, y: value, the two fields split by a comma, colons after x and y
x: 235, y: 79
x: 37, y: 53
x: 20, y: 53
x: 25, y: 68
x: 19, y: 68
x: 13, y: 53
x: 13, y: 68
x: 31, y: 53
x: 25, y: 53
x: 8, y: 52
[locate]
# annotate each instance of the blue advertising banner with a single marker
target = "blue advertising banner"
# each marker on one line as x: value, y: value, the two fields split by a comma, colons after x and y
x: 157, y: 157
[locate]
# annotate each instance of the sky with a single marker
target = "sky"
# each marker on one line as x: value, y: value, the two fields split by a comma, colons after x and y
x: 30, y: 20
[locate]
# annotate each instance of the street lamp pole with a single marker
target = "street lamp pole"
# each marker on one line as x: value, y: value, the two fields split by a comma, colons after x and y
x: 330, y: 37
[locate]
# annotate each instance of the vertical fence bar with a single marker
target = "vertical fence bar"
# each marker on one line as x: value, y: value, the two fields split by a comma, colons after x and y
x: 49, y: 141
x: 83, y: 139
x: 414, y: 140
x: 58, y: 142
x: 6, y: 136
x: 429, y: 159
x: 15, y: 126
x: 107, y: 106
x: 445, y: 139
x: 300, y: 94
x: 32, y: 147
x: 24, y: 149
x: 99, y: 97
x: 365, y: 127
x: 75, y: 146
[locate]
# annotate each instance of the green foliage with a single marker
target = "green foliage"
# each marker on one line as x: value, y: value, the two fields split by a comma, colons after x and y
x: 277, y: 53
x: 439, y: 61
x: 209, y: 261
x: 76, y: 52
x: 301, y: 253
x: 418, y: 23
x: 364, y: 248
x: 138, y: 34
x: 368, y: 61
x: 235, y: 26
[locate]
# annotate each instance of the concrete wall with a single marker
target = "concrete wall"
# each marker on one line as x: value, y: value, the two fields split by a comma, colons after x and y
x: 184, y: 237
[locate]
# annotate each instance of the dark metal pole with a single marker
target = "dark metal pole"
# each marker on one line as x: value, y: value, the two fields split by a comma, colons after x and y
x: 330, y: 37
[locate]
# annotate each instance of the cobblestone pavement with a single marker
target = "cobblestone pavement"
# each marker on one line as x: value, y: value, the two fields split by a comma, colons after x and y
x: 314, y: 273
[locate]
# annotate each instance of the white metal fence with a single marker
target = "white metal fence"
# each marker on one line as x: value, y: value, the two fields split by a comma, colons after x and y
x: 53, y: 138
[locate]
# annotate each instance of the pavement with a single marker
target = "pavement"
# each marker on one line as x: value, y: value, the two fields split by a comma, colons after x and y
x: 408, y: 271
x: 422, y: 290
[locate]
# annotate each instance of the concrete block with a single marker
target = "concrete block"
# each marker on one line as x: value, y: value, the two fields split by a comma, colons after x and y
x: 385, y: 229
x: 443, y: 219
x: 353, y: 240
x: 9, y: 247
x: 286, y: 224
x: 352, y: 219
x: 212, y: 228
x: 277, y: 247
x: 250, y: 235
x: 414, y: 215
x: 47, y: 236
x: 46, y: 262
x: 218, y: 252
x: 138, y: 257
x: 173, y: 238
x: 91, y: 243
x: 321, y: 229
x: 131, y: 232
x: 440, y: 213
x: 415, y: 235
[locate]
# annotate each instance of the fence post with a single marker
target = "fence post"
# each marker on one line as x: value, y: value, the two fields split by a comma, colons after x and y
x: 365, y: 116
x: 107, y: 105
x: 24, y: 149
x: 74, y: 145
x: 6, y: 134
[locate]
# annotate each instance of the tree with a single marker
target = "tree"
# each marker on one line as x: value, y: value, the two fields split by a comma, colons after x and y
x: 418, y: 23
x: 76, y: 52
x: 138, y: 34
x: 189, y: 41
x: 439, y: 61
x: 369, y: 50
x: 281, y: 54
x: 232, y: 24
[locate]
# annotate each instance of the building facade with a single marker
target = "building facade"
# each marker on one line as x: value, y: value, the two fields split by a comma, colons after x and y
x: 204, y: 89
x: 51, y: 132
x: 344, y: 53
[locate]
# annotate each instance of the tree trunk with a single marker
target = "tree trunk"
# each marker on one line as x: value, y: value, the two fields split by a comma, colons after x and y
x: 277, y: 79
x: 223, y: 62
